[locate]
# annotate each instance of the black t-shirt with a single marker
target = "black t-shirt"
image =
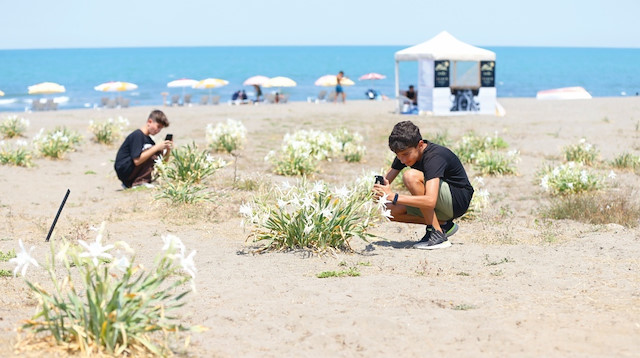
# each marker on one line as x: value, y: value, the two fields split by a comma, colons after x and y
x: 440, y: 162
x: 130, y: 149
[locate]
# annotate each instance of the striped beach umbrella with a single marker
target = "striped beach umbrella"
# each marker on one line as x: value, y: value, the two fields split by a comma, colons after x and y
x: 115, y: 86
x: 210, y: 83
x: 332, y: 80
x: 46, y: 88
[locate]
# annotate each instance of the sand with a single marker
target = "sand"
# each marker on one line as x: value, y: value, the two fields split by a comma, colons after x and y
x: 512, y: 284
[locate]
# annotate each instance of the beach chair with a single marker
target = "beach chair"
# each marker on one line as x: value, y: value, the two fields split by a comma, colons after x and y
x: 284, y: 98
x: 187, y: 100
x: 322, y: 97
x: 270, y: 98
x: 175, y: 100
x: 50, y: 105
x: 204, y: 100
x: 124, y: 102
x: 111, y: 103
x: 215, y: 99
x: 332, y: 96
x: 103, y: 101
x: 36, y: 105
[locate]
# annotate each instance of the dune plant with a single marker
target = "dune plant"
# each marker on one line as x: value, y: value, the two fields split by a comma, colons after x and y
x: 181, y: 177
x: 595, y: 208
x: 55, y: 144
x: 479, y: 201
x: 496, y: 163
x: 568, y: 178
x: 16, y: 153
x: 626, y: 161
x: 312, y: 216
x: 442, y: 138
x: 13, y: 126
x: 351, y: 145
x: 293, y: 159
x: 108, y: 131
x: 226, y: 136
x: 470, y: 145
x: 103, y: 303
x: 583, y: 152
x: 322, y: 145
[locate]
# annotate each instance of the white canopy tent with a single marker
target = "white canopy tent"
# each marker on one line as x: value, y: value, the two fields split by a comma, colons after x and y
x: 453, y: 76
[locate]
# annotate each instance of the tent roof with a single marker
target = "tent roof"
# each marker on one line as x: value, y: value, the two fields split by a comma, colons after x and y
x: 444, y: 47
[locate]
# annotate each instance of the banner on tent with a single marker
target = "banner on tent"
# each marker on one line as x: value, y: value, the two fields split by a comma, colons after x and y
x: 441, y: 71
x: 487, y: 73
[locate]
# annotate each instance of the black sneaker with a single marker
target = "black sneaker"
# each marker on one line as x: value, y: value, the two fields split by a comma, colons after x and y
x: 449, y: 228
x: 436, y: 240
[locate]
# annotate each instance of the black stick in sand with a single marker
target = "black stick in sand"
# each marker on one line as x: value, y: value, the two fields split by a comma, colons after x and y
x: 58, y: 215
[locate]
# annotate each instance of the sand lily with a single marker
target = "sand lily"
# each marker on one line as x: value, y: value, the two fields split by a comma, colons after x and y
x: 95, y: 250
x: 23, y: 259
x: 172, y: 242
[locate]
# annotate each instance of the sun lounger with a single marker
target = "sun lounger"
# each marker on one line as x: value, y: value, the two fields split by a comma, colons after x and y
x: 36, y: 105
x: 50, y: 105
x: 204, y: 100
x: 270, y: 98
x: 111, y: 103
x: 175, y: 100
x: 187, y: 100
x: 322, y: 97
x: 103, y: 101
x: 215, y: 99
x: 124, y: 102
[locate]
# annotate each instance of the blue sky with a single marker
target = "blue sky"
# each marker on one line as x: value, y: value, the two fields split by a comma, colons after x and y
x: 135, y: 23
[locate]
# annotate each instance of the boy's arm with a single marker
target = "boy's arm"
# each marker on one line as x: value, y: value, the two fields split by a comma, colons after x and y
x: 391, y: 174
x: 145, y: 155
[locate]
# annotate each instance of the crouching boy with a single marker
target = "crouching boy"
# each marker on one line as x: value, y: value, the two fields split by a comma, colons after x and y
x: 137, y: 154
x: 439, y: 186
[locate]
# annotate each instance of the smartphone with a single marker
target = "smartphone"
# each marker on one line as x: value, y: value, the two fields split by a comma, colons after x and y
x: 169, y: 137
x: 379, y: 180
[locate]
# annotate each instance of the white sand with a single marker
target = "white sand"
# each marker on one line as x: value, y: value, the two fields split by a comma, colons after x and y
x: 566, y: 289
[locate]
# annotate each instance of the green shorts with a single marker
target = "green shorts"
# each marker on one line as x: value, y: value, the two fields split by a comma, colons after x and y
x: 444, y: 205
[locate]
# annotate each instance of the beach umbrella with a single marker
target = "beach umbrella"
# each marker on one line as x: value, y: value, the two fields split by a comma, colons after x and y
x: 372, y: 76
x: 280, y: 81
x: 182, y: 83
x: 115, y: 86
x: 332, y: 80
x: 255, y: 81
x: 209, y: 83
x: 46, y: 88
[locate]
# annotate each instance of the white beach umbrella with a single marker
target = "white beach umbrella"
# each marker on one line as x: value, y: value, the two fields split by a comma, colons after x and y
x: 255, y: 81
x: 280, y: 81
x: 182, y: 83
x: 46, y: 88
x: 332, y: 80
x: 1, y: 93
x: 372, y: 76
x: 115, y: 86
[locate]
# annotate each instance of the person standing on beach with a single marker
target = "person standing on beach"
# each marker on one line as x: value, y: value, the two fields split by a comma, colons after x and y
x: 137, y: 154
x: 339, y: 89
x: 439, y: 186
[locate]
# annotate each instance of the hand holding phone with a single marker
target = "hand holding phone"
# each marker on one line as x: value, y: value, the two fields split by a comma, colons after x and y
x: 169, y: 137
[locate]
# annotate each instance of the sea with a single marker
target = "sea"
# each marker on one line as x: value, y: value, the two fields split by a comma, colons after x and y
x: 520, y: 71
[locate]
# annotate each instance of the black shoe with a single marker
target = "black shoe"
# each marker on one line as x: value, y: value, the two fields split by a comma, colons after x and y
x: 436, y: 240
x: 449, y: 228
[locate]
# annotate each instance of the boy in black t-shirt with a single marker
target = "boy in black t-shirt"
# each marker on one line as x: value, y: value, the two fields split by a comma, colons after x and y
x: 439, y: 186
x: 137, y: 154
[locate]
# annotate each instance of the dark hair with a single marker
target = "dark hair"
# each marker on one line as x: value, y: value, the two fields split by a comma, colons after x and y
x: 158, y: 116
x: 404, y: 135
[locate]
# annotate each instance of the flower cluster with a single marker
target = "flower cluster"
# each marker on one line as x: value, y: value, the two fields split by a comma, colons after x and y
x: 497, y: 163
x: 583, y: 152
x: 54, y: 144
x: 107, y: 132
x: 181, y: 178
x: 569, y: 178
x: 13, y: 126
x: 104, y: 299
x: 479, y: 201
x: 302, y: 150
x: 471, y: 145
x: 313, y: 216
x: 16, y: 153
x: 228, y: 136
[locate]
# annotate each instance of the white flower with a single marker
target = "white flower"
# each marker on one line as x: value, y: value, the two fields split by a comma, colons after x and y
x: 383, y: 201
x: 318, y: 187
x: 23, y: 259
x: 544, y: 182
x: 188, y: 264
x: 95, y: 249
x: 611, y: 175
x: 246, y: 210
x: 479, y: 180
x: 172, y: 242
x: 387, y: 214
x: 342, y: 193
x: 326, y: 212
x: 122, y: 263
x: 570, y: 185
x: 584, y: 178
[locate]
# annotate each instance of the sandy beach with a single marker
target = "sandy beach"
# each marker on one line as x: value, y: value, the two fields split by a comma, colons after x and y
x: 512, y: 284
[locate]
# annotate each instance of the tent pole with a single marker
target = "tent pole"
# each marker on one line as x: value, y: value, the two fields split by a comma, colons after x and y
x: 397, y: 88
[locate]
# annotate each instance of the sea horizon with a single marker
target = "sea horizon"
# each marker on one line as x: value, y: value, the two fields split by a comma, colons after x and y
x: 521, y: 71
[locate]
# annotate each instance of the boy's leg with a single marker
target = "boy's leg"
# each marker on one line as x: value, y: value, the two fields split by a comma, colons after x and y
x: 142, y: 173
x: 414, y: 181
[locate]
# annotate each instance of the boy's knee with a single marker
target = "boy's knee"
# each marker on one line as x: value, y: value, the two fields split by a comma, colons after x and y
x: 412, y: 176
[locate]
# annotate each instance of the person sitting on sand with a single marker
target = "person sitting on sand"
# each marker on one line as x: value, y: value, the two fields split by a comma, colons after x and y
x: 439, y: 186
x: 412, y: 95
x: 137, y: 154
